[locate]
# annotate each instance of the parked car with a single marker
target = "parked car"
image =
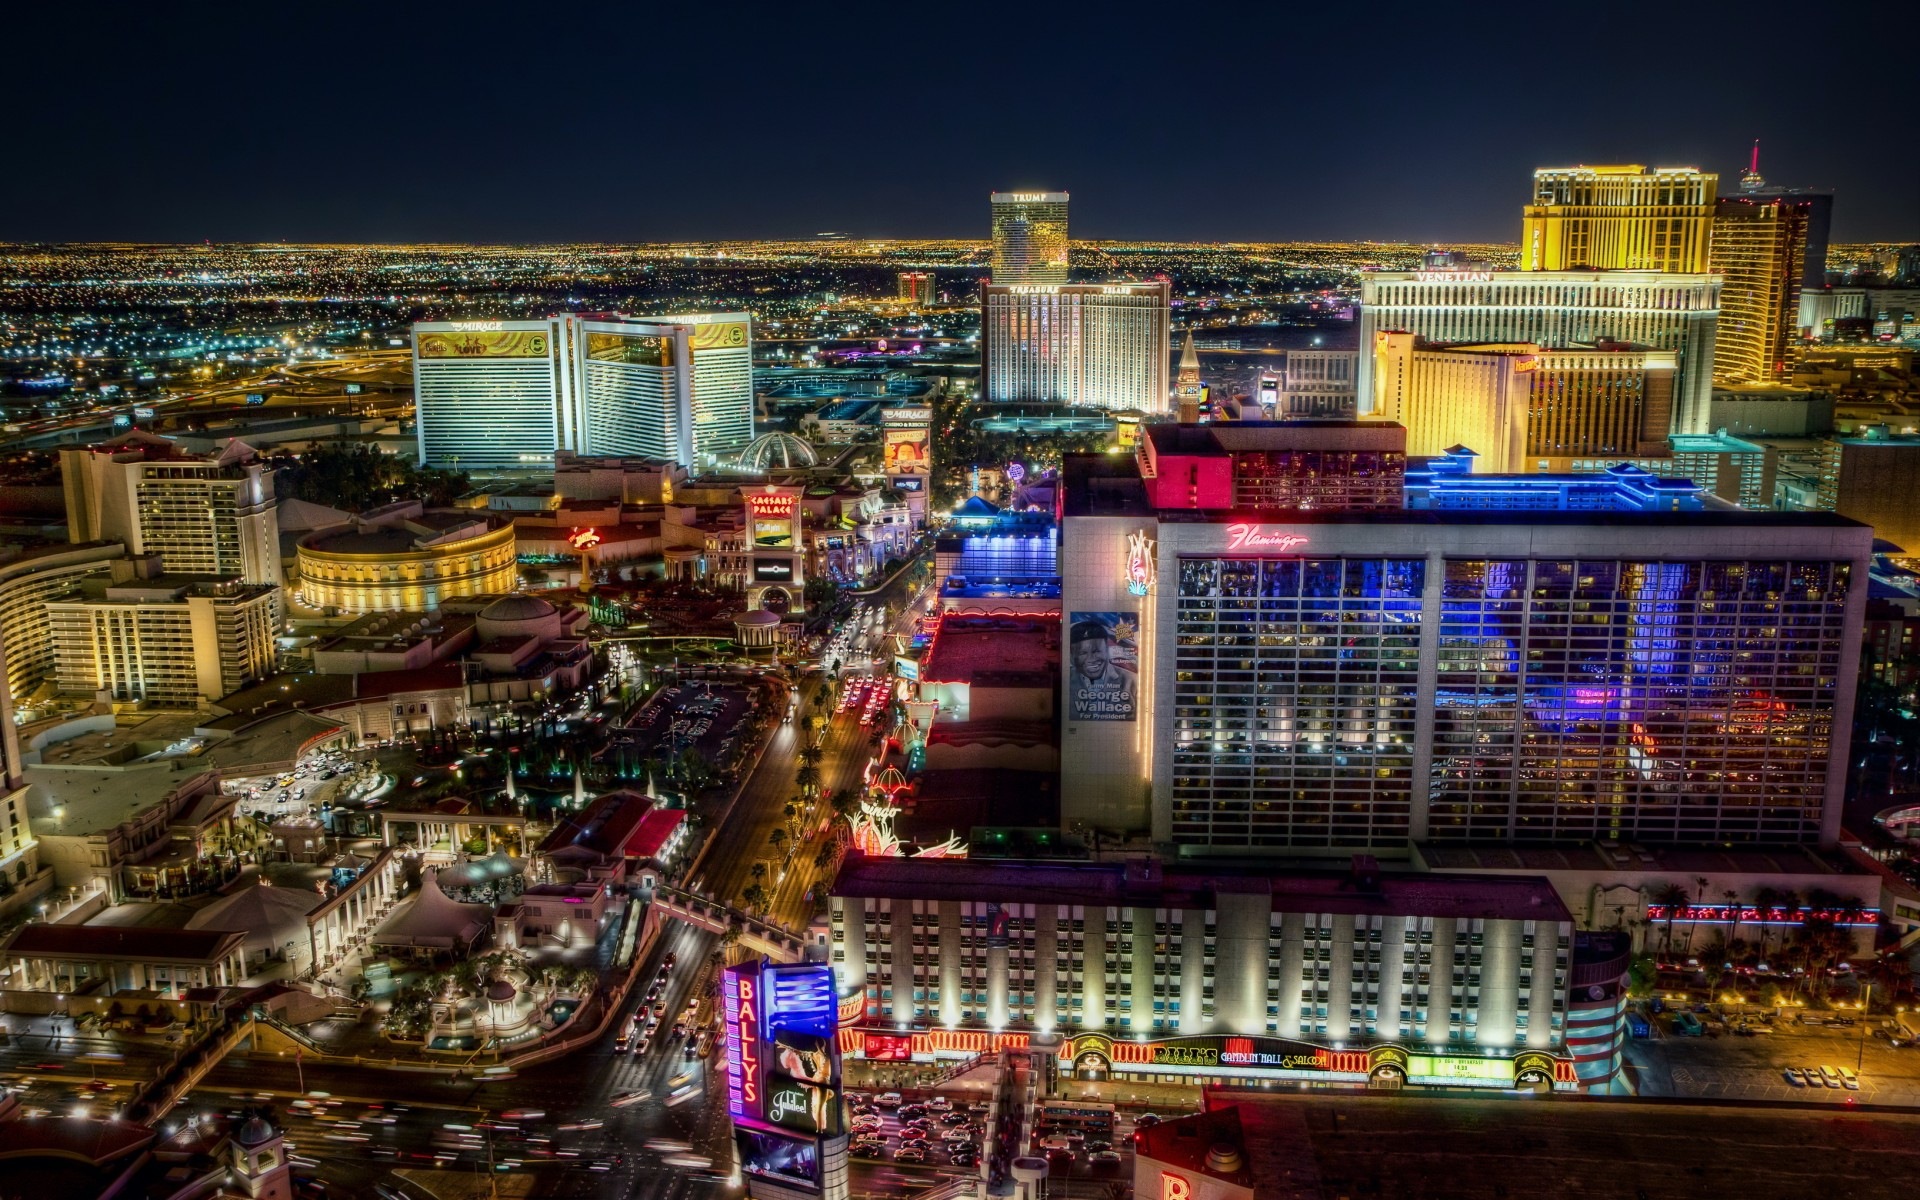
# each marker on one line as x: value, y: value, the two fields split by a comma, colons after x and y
x: 1850, y: 1079
x: 1794, y: 1077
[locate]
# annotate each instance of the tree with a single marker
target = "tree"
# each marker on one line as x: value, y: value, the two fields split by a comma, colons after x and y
x: 1674, y: 898
x: 807, y: 777
x: 758, y: 871
x: 777, y: 838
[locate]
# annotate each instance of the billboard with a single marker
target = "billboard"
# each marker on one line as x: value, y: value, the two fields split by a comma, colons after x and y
x: 630, y: 348
x: 905, y: 448
x: 772, y: 535
x: 773, y: 570
x: 800, y: 1023
x: 501, y: 343
x: 889, y: 1047
x: 1103, y: 666
x: 722, y: 335
x: 793, y: 1161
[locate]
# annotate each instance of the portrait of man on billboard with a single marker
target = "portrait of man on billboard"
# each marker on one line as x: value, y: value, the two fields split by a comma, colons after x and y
x: 1104, y: 663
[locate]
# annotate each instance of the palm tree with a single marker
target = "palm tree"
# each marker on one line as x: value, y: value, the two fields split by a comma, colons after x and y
x: 758, y: 871
x: 807, y: 778
x: 777, y: 838
x: 1674, y: 898
x: 1765, y: 899
x: 1733, y: 928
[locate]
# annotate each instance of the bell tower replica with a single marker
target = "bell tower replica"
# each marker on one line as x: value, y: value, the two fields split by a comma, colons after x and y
x: 258, y: 1155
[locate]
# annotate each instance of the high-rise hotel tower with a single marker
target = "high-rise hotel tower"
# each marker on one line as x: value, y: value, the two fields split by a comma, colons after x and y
x: 1101, y: 344
x: 1618, y: 218
x: 506, y: 395
x: 1029, y: 237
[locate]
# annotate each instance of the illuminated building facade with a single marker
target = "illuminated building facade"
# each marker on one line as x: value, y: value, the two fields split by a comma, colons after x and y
x: 1209, y: 974
x: 486, y: 394
x: 1029, y: 237
x: 1517, y: 405
x: 1619, y: 218
x: 1188, y: 392
x: 177, y: 641
x: 509, y: 395
x: 407, y: 562
x: 1105, y: 345
x: 1760, y: 253
x: 1555, y: 310
x: 1315, y: 383
x: 27, y: 583
x: 212, y: 514
x: 1306, y: 465
x: 915, y: 287
x: 1519, y: 659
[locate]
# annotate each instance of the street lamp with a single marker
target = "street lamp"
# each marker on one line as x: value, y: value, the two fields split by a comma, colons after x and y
x: 1866, y: 1002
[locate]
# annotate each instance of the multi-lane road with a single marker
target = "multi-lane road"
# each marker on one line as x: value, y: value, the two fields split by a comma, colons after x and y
x: 580, y: 1145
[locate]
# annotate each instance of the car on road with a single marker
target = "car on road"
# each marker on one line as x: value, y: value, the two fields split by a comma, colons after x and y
x: 1103, y: 1158
x: 681, y: 1095
x: 623, y: 1043
x: 629, y: 1099
x: 910, y: 1134
x: 910, y: 1154
x: 682, y: 1077
x: 1685, y: 1024
x: 1145, y: 1120
x: 883, y: 1100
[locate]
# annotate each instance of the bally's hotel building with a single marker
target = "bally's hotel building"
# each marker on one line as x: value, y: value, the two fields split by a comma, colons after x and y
x: 506, y: 395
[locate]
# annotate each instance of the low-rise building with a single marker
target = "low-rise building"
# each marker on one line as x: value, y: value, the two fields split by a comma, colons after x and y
x: 404, y: 558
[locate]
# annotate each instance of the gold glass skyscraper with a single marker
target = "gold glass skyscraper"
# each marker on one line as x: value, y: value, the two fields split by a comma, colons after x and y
x: 1029, y: 237
x: 1619, y: 218
x: 1760, y: 252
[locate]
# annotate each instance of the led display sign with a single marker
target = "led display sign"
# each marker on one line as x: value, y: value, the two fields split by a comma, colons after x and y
x: 740, y: 1013
x: 793, y: 1161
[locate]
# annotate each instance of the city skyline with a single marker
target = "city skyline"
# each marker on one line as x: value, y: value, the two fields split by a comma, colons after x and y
x: 1391, y: 131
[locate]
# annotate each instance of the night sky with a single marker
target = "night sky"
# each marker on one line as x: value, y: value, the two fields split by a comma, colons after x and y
x: 529, y: 122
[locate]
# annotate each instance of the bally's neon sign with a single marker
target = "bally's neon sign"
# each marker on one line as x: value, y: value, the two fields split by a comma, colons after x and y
x: 1254, y: 537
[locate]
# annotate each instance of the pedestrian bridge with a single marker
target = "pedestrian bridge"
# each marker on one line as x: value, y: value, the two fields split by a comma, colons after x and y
x: 702, y: 912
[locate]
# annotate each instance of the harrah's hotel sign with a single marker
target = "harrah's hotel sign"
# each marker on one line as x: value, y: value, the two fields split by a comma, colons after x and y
x: 1259, y: 537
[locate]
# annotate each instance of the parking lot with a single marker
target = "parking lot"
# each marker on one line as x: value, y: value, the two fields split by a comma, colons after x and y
x: 1720, y: 1066
x: 923, y: 1129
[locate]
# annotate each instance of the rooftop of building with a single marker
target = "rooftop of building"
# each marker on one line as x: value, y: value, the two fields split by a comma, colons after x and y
x: 1145, y: 883
x: 84, y: 799
x: 1104, y: 485
x: 965, y: 648
x: 603, y: 827
x: 1301, y: 1147
x: 1687, y: 861
x: 115, y: 941
x: 1208, y: 1143
x: 1242, y: 437
x: 420, y: 532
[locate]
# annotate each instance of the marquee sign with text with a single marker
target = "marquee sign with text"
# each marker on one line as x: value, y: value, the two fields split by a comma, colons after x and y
x: 1749, y: 914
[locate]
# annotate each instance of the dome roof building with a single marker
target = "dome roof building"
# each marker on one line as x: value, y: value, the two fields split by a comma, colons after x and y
x: 778, y: 451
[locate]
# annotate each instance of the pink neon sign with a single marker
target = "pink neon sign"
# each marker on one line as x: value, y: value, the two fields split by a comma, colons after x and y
x: 1254, y: 537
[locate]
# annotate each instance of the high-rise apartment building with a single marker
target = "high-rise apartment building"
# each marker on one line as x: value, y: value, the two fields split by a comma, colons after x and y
x: 212, y: 514
x: 1101, y: 344
x: 1515, y: 404
x: 1029, y: 237
x: 165, y: 639
x: 1618, y: 218
x: 1528, y: 658
x: 1759, y: 252
x: 915, y: 287
x: 509, y: 395
x: 1555, y: 310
